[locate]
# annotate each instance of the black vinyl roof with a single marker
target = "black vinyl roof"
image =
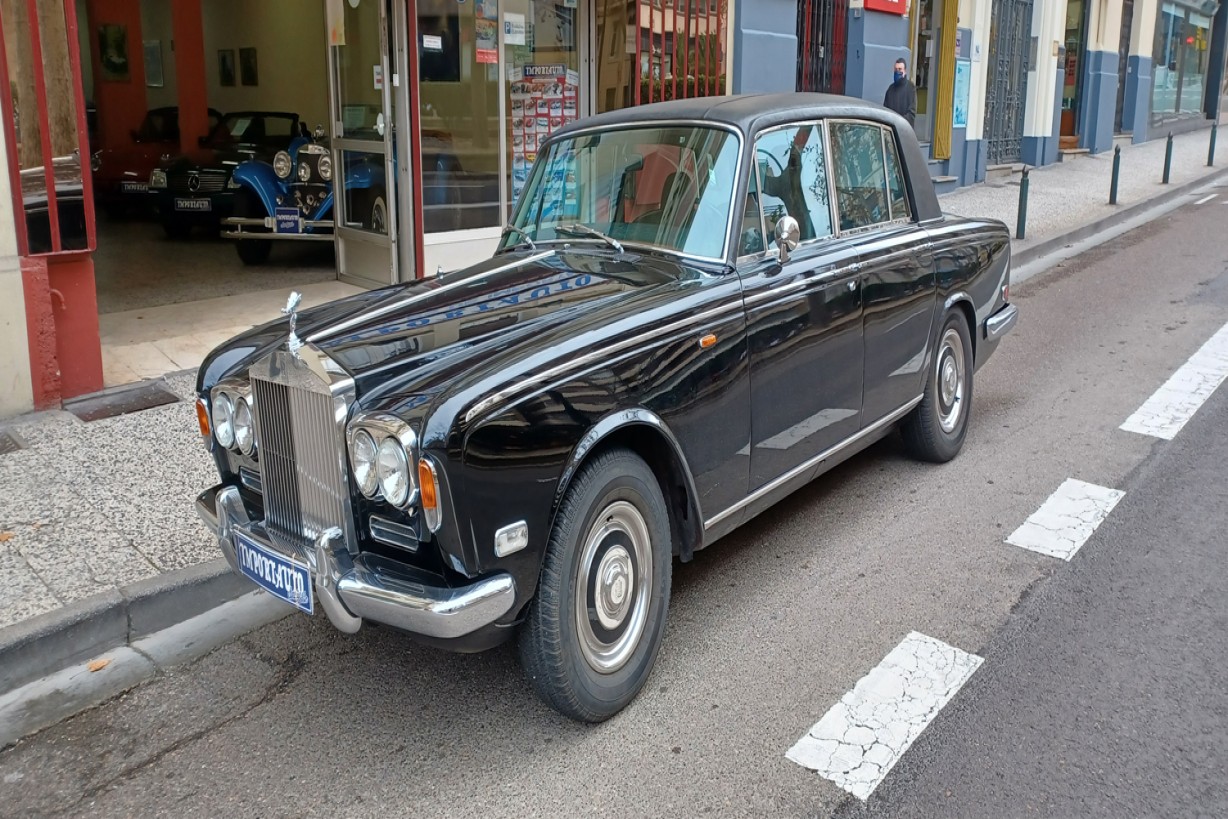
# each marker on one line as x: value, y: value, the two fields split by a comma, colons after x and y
x: 746, y: 112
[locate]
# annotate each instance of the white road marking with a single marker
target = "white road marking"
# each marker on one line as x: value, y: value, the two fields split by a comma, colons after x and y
x: 1172, y: 405
x: 1206, y: 199
x: 1065, y: 521
x: 860, y: 739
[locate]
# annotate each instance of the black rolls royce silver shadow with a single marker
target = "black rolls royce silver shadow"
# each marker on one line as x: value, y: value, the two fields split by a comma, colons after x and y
x: 697, y: 307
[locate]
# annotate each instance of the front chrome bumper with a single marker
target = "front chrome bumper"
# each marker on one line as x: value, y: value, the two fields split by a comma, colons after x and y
x: 353, y: 588
x: 243, y: 229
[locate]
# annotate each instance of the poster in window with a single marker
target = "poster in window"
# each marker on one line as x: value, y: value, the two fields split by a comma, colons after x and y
x: 113, y: 52
x: 963, y: 77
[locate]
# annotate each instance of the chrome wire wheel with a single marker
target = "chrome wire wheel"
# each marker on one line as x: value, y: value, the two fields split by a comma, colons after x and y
x: 613, y: 580
x: 950, y: 378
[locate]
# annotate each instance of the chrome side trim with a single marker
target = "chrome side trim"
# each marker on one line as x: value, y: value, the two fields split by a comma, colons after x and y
x: 392, y: 307
x: 813, y: 462
x: 1001, y: 322
x: 606, y: 352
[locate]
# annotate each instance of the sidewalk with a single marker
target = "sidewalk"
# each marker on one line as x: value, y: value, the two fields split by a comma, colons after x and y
x: 102, y: 507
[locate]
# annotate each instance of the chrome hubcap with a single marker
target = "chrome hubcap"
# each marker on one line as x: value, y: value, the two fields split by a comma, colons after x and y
x: 612, y: 587
x: 950, y: 377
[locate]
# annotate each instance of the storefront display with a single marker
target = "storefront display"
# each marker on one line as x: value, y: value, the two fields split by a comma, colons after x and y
x: 1183, y: 40
x: 544, y: 98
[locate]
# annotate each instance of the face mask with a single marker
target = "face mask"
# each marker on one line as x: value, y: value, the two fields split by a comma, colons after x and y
x: 899, y: 75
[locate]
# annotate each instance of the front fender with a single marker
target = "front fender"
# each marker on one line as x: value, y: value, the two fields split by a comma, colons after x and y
x: 260, y: 178
x: 363, y: 175
x: 631, y: 420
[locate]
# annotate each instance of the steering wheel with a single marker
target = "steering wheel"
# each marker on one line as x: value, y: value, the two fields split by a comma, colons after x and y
x: 780, y: 168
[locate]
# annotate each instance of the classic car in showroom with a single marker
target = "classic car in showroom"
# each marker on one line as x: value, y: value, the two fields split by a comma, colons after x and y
x: 199, y: 189
x: 292, y: 196
x: 121, y: 173
x: 698, y: 307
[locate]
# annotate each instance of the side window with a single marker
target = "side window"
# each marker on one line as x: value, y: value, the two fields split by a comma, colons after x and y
x: 793, y: 169
x: 750, y: 239
x: 861, y: 179
x: 895, y: 179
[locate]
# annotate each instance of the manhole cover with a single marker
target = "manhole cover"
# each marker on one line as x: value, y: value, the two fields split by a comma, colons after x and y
x: 8, y: 444
x: 120, y: 400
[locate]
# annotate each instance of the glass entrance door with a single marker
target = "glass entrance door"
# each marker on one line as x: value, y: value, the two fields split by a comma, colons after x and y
x: 363, y: 142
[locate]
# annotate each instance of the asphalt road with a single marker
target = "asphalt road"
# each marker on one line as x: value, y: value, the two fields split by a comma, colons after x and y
x: 1099, y: 693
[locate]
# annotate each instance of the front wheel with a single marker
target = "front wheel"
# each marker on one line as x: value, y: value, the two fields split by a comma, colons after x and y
x: 251, y: 251
x: 593, y: 631
x: 935, y: 430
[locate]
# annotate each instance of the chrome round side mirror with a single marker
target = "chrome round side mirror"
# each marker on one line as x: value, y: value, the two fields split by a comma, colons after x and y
x: 788, y: 234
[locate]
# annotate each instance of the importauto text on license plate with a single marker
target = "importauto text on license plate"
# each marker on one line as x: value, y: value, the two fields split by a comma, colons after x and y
x: 272, y: 571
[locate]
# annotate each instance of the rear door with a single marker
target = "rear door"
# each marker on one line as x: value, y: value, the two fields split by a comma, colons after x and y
x: 803, y: 315
x: 873, y: 207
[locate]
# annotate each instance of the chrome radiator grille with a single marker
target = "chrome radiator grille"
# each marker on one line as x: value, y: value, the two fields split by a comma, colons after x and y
x: 302, y: 472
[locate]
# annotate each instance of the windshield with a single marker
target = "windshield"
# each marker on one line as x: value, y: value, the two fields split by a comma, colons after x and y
x: 665, y: 186
x: 273, y: 130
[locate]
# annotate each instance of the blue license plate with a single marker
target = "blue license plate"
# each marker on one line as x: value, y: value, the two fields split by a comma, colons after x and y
x: 193, y: 204
x: 287, y: 221
x: 277, y: 574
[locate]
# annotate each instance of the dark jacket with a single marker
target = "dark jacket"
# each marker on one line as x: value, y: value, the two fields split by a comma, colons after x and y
x: 901, y: 97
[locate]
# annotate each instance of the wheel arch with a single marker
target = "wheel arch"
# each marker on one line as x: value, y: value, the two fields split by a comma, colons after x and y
x: 648, y: 436
x: 963, y: 302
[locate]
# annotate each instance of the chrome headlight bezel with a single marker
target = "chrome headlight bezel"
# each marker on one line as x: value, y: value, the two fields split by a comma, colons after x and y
x: 304, y: 172
x: 157, y: 178
x: 221, y: 413
x: 283, y: 165
x: 244, y: 431
x: 325, y: 167
x: 383, y: 428
x: 364, y: 467
x: 232, y: 392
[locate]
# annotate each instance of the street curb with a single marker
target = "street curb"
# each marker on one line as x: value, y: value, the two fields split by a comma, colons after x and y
x: 82, y: 630
x: 1041, y: 249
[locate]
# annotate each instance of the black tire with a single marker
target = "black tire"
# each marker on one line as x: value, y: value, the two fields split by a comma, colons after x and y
x: 176, y: 228
x: 934, y: 431
x: 563, y: 645
x: 252, y: 252
x: 371, y: 208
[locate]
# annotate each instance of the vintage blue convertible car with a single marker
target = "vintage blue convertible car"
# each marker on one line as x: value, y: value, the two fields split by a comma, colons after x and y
x: 292, y: 198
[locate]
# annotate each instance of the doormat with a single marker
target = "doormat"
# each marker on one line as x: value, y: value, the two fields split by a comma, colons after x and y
x: 8, y: 444
x: 117, y: 401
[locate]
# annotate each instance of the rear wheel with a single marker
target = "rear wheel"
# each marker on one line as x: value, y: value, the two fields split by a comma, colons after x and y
x: 251, y: 251
x: 935, y: 430
x: 593, y: 631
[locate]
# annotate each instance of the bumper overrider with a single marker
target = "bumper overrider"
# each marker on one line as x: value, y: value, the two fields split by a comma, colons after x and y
x: 352, y: 588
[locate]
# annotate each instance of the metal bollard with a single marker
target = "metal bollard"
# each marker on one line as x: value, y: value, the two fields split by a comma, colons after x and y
x: 1211, y: 150
x: 1116, y: 173
x: 1168, y: 157
x: 1022, y: 222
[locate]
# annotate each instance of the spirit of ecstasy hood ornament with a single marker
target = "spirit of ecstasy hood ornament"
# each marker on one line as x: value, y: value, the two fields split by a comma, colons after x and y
x: 293, y: 343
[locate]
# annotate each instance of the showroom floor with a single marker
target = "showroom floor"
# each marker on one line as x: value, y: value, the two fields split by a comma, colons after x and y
x: 164, y: 304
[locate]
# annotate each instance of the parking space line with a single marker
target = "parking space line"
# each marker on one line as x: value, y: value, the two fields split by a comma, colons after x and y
x: 859, y: 740
x: 1172, y: 405
x: 1206, y: 199
x: 1065, y: 521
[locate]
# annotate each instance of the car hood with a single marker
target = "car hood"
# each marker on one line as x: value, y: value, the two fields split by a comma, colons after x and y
x: 214, y: 158
x: 469, y: 331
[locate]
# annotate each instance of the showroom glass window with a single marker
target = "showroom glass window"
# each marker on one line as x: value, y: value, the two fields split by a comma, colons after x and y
x: 793, y: 180
x: 1182, y: 46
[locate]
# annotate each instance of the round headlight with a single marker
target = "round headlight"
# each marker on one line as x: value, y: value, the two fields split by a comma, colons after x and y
x: 392, y: 467
x: 304, y: 172
x: 157, y: 179
x: 362, y: 459
x: 326, y: 168
x: 244, y: 430
x: 223, y: 420
x: 282, y: 164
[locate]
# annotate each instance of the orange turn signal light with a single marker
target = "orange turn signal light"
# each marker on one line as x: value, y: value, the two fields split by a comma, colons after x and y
x: 426, y: 486
x: 202, y: 418
x: 707, y: 341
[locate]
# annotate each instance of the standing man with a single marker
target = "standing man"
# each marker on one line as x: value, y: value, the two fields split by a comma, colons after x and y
x: 902, y: 94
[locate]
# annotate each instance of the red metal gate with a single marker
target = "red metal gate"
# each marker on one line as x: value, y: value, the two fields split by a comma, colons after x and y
x: 822, y: 44
x: 680, y: 50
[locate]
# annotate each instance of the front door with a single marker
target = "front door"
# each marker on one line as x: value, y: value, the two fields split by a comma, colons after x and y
x: 1010, y: 30
x: 803, y: 317
x: 363, y: 142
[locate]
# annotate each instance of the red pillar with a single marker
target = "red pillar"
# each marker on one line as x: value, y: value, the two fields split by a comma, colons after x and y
x: 74, y: 306
x: 40, y: 332
x: 121, y: 102
x: 190, y: 72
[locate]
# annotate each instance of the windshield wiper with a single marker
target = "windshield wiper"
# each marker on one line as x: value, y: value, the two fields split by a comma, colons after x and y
x: 585, y: 230
x: 520, y: 232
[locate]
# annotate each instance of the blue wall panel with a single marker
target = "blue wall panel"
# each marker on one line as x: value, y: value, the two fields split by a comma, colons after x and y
x: 876, y: 41
x: 1098, y: 105
x: 764, y: 46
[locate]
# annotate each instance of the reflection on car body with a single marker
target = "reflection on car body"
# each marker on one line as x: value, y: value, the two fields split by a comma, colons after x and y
x: 658, y: 351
